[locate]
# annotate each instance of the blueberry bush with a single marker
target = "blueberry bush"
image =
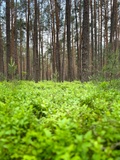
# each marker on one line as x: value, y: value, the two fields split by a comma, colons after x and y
x: 60, y: 121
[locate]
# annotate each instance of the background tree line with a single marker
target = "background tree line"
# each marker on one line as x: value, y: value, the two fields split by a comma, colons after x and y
x: 59, y: 40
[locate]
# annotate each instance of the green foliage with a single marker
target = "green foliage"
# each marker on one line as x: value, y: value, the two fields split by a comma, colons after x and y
x: 12, y: 68
x: 60, y: 121
x: 2, y: 76
x: 55, y: 76
x: 112, y: 67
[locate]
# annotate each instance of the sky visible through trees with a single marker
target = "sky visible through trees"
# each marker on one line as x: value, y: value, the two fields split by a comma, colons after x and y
x: 59, y: 40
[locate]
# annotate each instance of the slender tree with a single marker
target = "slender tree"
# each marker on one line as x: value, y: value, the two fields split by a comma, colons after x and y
x: 16, y: 40
x: 21, y: 41
x: 1, y: 53
x: 85, y: 42
x: 63, y: 58
x: 92, y: 38
x: 8, y: 48
x: 77, y: 42
x: 53, y: 37
x: 113, y: 28
x: 95, y: 58
x: 79, y: 58
x: 27, y: 44
x: 58, y: 62
x: 36, y: 57
x: 12, y: 21
x: 68, y: 15
x: 101, y: 34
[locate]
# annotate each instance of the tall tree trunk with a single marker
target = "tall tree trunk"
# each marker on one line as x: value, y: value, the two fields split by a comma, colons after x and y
x: 39, y: 40
x: 1, y: 53
x: 77, y: 43
x: 20, y: 51
x: 43, y: 68
x: 53, y: 37
x: 36, y: 57
x: 113, y: 34
x: 16, y: 36
x: 95, y: 59
x: 106, y: 24
x: 68, y: 16
x: 80, y: 43
x: 106, y: 34
x: 58, y: 64
x: 27, y: 44
x: 14, y: 56
x: 12, y: 40
x: 92, y: 40
x: 73, y: 52
x: 85, y: 42
x: 98, y: 37
x: 63, y: 58
x: 101, y: 35
x: 8, y: 54
x: 1, y: 44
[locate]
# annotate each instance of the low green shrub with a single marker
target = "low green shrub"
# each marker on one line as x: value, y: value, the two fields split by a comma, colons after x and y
x: 59, y: 121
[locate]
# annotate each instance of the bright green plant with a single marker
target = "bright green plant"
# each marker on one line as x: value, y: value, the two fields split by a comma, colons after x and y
x: 59, y: 121
x: 12, y: 68
x: 55, y: 76
x: 112, y: 67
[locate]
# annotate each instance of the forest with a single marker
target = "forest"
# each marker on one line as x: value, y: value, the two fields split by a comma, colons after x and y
x: 58, y: 39
x: 59, y: 80
x: 60, y: 121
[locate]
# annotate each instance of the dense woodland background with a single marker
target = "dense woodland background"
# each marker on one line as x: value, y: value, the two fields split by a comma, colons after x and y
x: 59, y: 40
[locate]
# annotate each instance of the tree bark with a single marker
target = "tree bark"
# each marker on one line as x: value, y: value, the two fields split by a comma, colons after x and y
x: 95, y: 59
x: 68, y: 16
x: 58, y: 64
x: 92, y: 40
x: 77, y: 43
x: 85, y: 42
x: 1, y: 53
x: 27, y: 43
x: 36, y: 43
x: 8, y: 48
x: 114, y: 18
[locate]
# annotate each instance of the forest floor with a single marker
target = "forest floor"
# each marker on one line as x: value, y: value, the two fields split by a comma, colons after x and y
x: 60, y: 121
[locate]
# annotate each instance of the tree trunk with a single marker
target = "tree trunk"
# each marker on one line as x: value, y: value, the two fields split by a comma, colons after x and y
x: 63, y: 58
x: 27, y: 44
x: 113, y: 34
x: 16, y: 44
x: 20, y: 51
x: 95, y: 59
x: 68, y: 16
x: 1, y: 53
x: 77, y: 43
x: 36, y: 57
x: 101, y: 35
x: 8, y: 54
x: 58, y: 64
x: 12, y: 40
x: 53, y: 37
x: 85, y: 42
x: 92, y: 40
x: 80, y: 43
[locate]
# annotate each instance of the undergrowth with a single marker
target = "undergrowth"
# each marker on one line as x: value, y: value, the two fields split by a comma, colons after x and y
x: 60, y: 121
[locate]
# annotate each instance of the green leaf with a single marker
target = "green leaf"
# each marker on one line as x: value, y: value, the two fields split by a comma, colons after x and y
x: 88, y: 135
x: 47, y: 133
